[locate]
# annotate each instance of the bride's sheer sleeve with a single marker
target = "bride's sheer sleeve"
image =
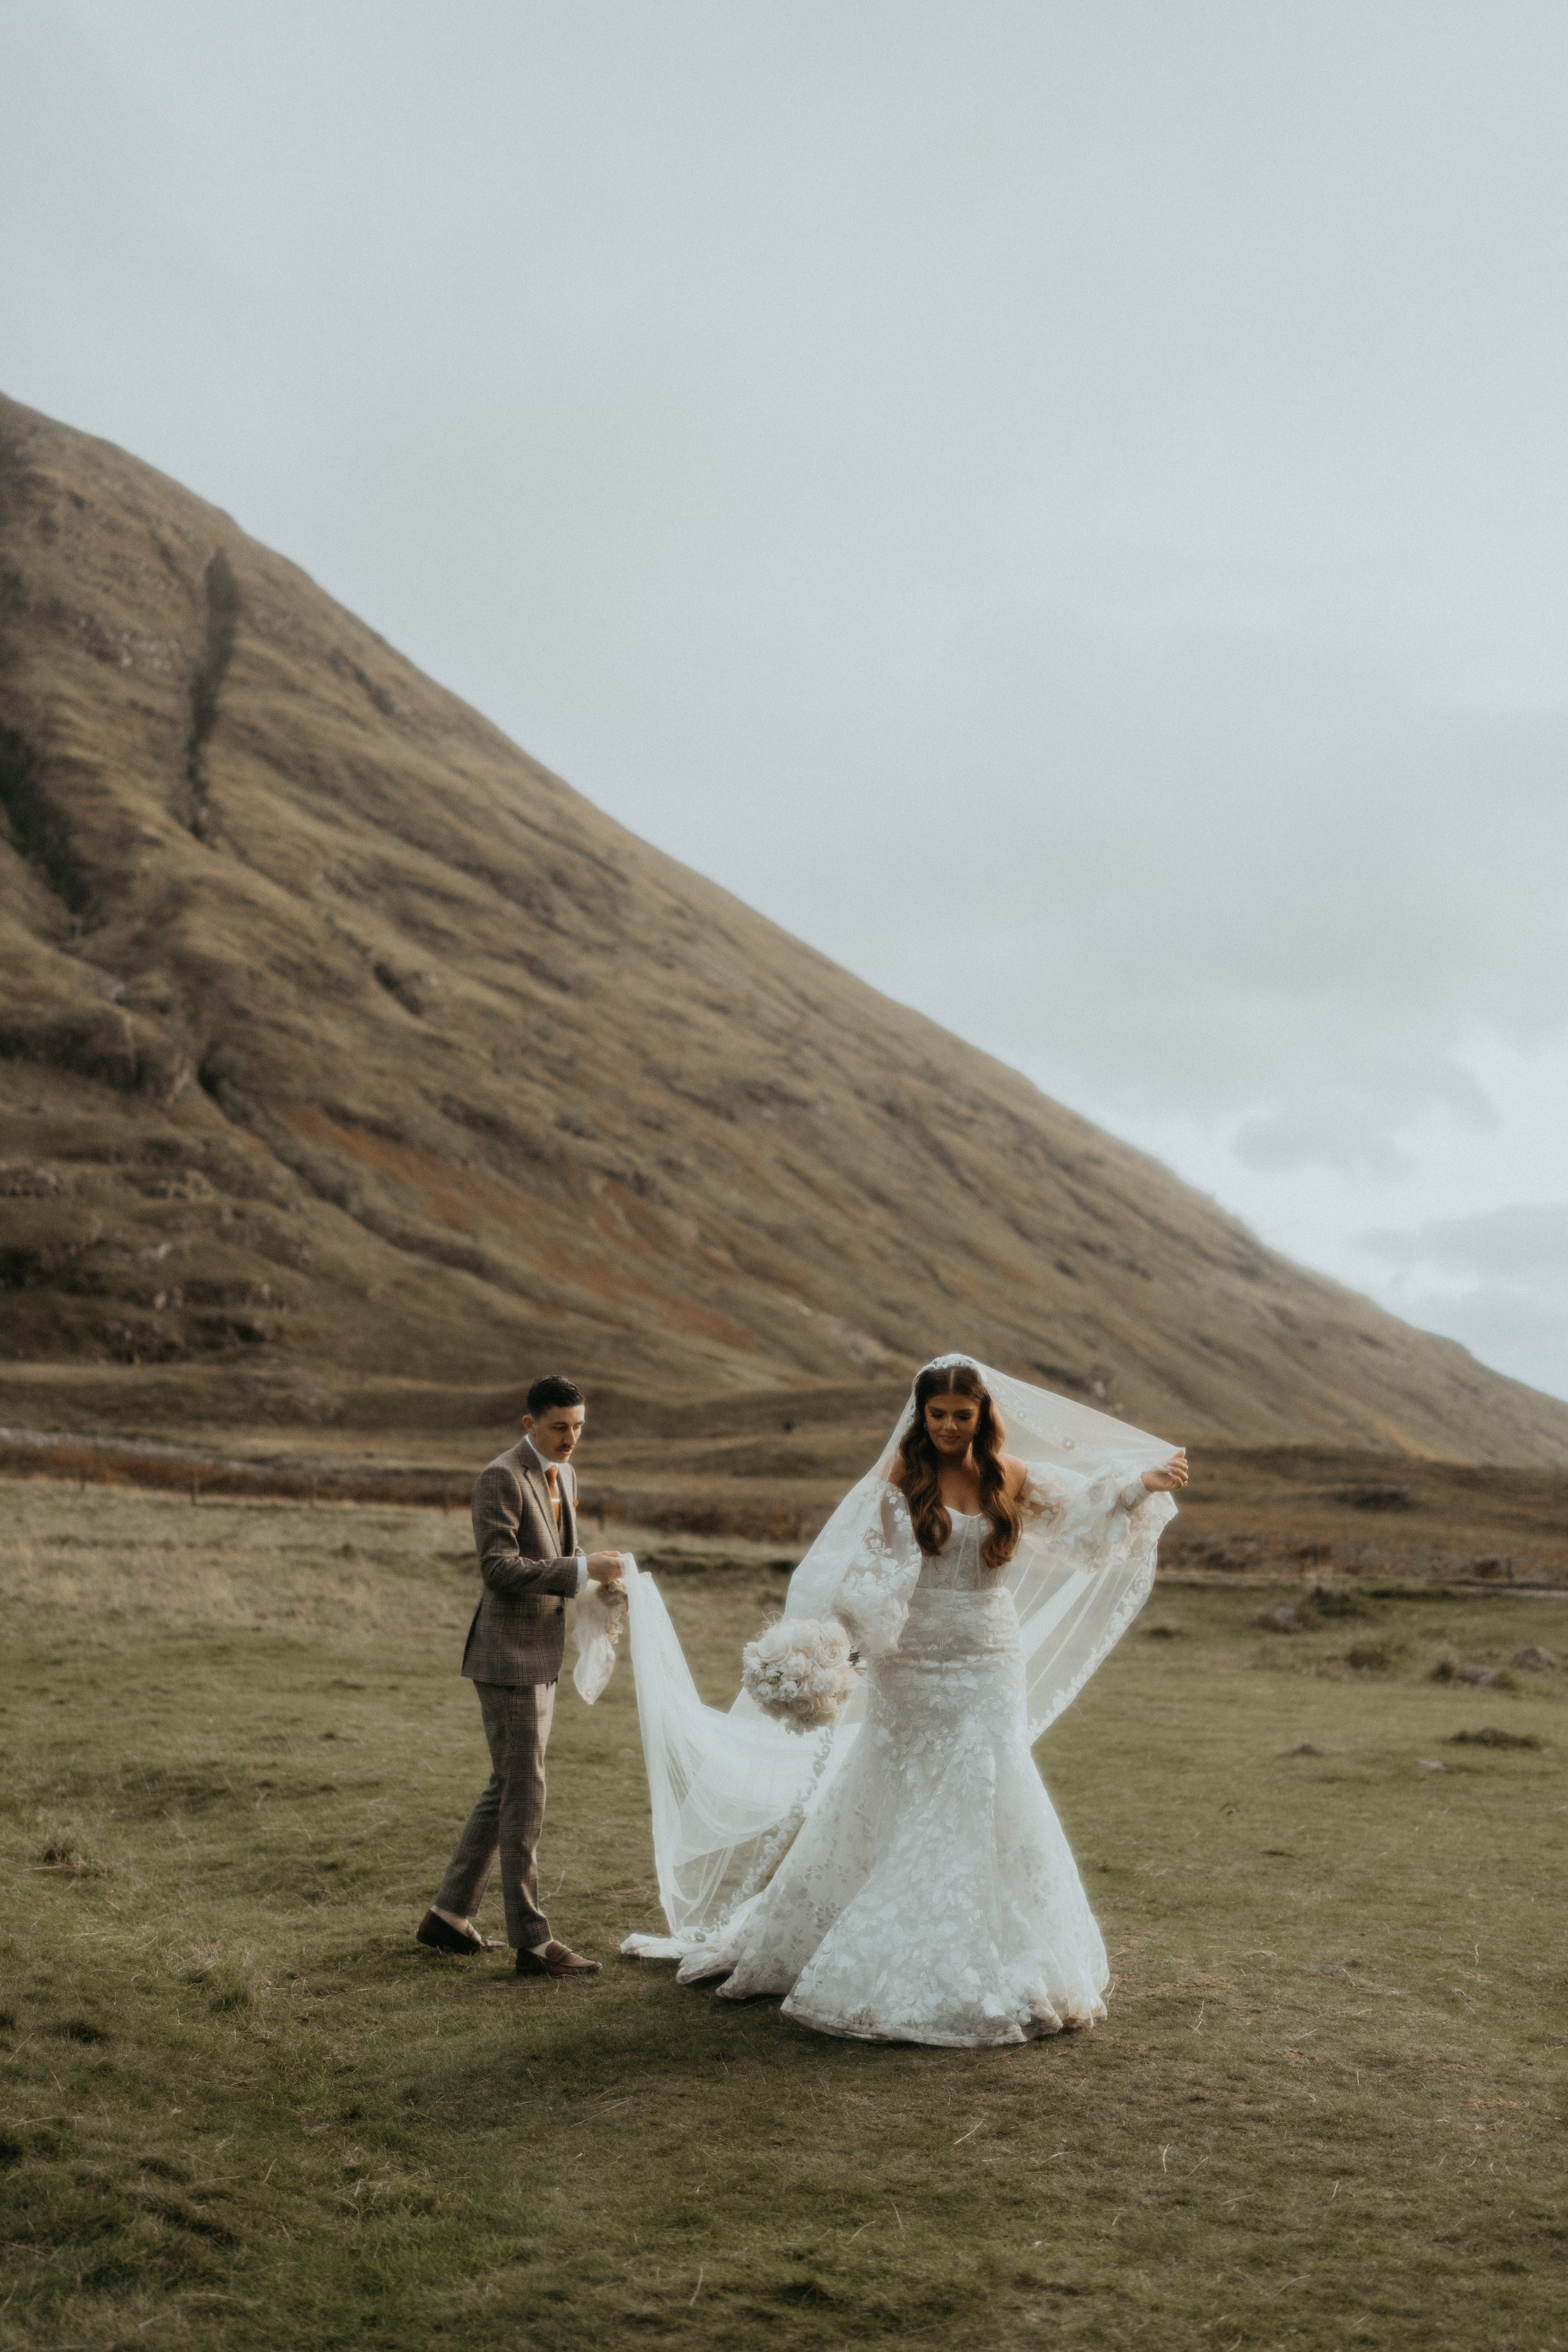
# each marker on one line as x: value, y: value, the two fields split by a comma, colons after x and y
x: 1091, y: 1514
x: 873, y: 1596
x: 1082, y: 1570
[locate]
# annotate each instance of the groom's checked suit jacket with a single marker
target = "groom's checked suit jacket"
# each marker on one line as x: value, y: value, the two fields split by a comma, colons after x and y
x: 519, y: 1633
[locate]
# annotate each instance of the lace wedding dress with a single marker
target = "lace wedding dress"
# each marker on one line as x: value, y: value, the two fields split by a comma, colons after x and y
x: 930, y: 1896
x: 904, y: 1876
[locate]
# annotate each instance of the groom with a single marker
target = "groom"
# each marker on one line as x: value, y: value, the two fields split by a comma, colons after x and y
x: 525, y: 1532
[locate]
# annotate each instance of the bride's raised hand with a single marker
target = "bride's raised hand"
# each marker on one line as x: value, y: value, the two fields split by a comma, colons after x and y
x: 1172, y: 1478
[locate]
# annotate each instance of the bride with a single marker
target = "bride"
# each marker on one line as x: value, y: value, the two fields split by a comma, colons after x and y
x: 903, y: 1876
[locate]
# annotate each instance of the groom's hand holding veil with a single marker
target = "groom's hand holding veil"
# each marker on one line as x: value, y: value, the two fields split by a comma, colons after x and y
x: 606, y: 1567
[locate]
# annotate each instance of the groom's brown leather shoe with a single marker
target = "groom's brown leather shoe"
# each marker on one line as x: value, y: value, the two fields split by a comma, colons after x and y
x: 557, y: 1959
x: 442, y: 1937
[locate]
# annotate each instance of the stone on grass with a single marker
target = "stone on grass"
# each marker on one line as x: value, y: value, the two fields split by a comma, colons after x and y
x: 1334, y: 1601
x: 1539, y: 1660
x: 1490, y: 1735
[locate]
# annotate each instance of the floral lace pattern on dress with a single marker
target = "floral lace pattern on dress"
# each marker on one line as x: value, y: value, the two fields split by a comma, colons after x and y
x: 930, y: 1896
x: 873, y: 1599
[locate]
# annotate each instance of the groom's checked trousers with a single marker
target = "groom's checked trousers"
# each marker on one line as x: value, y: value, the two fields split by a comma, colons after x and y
x: 509, y: 1813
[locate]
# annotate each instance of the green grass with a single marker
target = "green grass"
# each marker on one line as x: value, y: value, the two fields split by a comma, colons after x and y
x: 241, y: 2108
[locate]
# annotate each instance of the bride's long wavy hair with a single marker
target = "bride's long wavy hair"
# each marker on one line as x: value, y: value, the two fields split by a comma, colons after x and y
x: 919, y: 1465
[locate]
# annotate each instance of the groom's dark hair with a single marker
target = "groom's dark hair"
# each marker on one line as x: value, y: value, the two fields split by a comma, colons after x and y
x: 553, y: 1389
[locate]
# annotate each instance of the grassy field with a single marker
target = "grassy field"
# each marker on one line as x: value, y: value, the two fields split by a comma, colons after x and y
x: 241, y: 2108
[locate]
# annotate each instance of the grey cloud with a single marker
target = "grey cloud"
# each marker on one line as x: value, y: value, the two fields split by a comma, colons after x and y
x: 1353, y: 1138
x: 1522, y: 1331
x: 1497, y: 1281
x: 1524, y: 1244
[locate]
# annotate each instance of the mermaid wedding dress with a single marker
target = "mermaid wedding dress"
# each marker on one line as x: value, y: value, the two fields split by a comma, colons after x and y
x: 903, y: 1877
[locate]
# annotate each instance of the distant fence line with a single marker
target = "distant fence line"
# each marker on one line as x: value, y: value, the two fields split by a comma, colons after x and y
x: 163, y: 1469
x: 102, y: 1462
x: 1528, y: 1567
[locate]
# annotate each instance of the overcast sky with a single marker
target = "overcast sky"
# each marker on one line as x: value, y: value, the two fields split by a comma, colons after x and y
x: 1064, y: 506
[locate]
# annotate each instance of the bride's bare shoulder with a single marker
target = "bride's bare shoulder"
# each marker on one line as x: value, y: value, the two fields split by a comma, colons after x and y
x: 897, y: 1474
x: 1015, y: 1476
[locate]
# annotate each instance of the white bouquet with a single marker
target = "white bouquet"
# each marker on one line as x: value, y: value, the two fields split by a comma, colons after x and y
x: 799, y: 1671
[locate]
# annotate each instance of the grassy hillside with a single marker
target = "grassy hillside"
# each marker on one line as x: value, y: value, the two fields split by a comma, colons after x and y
x: 241, y: 2108
x: 338, y: 1038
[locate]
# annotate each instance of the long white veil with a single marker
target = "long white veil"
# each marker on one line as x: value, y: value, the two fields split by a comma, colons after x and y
x: 729, y: 1786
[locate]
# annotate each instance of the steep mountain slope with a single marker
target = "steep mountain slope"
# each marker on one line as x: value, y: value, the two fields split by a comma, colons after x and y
x: 338, y: 1037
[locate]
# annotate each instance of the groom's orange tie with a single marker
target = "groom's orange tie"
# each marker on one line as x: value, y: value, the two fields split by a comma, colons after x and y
x: 553, y: 1474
